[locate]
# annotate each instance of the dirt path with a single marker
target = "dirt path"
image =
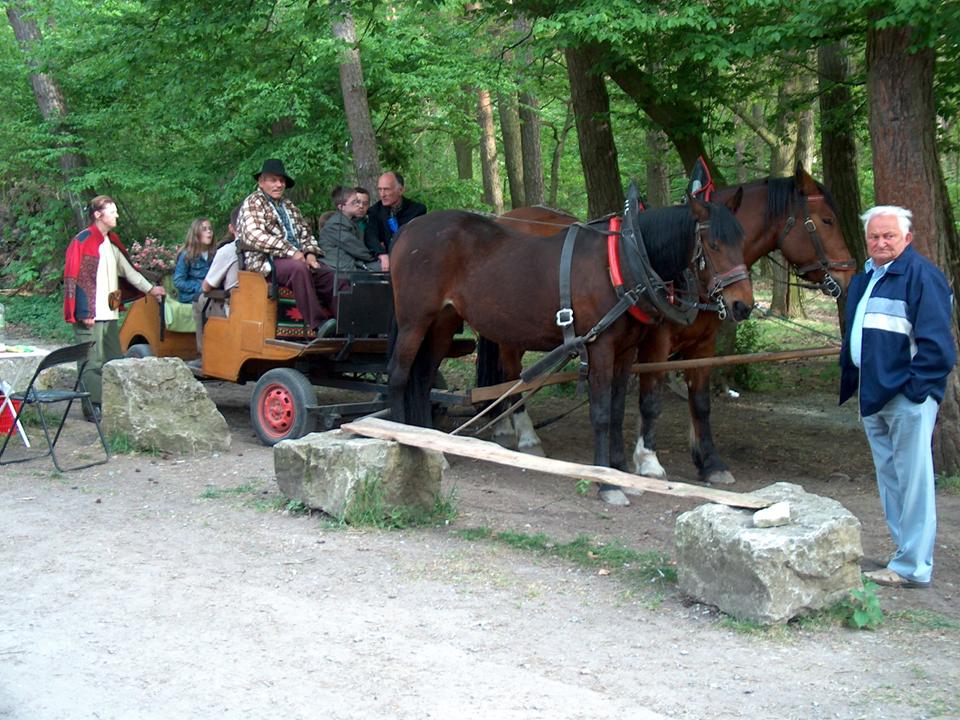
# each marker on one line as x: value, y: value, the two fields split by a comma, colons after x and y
x: 160, y: 588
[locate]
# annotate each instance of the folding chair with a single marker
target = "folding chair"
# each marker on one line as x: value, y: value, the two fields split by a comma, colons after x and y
x: 40, y: 398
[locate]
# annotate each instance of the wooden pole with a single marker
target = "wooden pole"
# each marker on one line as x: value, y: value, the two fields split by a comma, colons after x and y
x: 492, y: 392
x: 491, y: 452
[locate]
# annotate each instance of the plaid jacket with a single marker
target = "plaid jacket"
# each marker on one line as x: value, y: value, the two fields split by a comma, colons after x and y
x: 260, y: 232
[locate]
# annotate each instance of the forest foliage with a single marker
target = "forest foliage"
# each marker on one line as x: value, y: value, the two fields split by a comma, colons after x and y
x: 172, y: 105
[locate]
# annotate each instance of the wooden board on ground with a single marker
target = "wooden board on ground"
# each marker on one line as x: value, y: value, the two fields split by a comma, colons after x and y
x: 491, y: 452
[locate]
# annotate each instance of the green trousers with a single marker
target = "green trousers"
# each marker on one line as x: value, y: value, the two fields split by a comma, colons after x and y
x: 105, y: 335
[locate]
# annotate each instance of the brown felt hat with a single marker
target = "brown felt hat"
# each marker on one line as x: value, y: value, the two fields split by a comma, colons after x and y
x: 276, y: 167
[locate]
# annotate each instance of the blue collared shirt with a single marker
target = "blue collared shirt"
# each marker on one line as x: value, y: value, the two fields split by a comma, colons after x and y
x: 856, y: 331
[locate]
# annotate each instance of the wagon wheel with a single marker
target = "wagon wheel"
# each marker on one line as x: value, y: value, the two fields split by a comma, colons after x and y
x: 280, y: 408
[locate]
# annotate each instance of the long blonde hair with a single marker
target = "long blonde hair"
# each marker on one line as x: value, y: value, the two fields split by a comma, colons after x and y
x: 192, y: 248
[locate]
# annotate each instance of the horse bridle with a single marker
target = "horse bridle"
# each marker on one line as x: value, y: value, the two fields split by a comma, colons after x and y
x: 718, y: 280
x: 828, y: 285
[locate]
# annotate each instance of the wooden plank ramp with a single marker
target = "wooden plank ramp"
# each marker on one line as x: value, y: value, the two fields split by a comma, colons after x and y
x: 491, y: 452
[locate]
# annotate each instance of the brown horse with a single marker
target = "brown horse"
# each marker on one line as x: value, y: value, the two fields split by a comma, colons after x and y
x: 448, y: 267
x: 795, y: 215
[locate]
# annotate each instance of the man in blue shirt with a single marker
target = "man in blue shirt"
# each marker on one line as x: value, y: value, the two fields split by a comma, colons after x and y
x: 897, y: 354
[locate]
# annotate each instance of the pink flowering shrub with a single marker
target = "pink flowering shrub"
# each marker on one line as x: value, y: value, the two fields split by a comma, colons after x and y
x: 152, y: 257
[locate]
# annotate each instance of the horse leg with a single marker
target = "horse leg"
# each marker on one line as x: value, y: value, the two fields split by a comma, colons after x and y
x: 655, y: 348
x: 408, y: 376
x: 504, y: 431
x: 645, y: 461
x: 711, y: 468
x: 601, y: 414
x: 436, y: 345
x: 618, y: 404
x: 527, y: 439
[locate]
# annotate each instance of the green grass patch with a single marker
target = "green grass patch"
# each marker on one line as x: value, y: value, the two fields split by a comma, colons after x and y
x: 924, y: 620
x: 122, y: 444
x: 634, y: 565
x: 40, y: 316
x: 215, y: 493
x: 948, y: 484
x: 369, y: 508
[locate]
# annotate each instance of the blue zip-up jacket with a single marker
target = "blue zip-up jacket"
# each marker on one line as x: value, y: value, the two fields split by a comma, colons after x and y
x: 907, y: 345
x: 188, y: 276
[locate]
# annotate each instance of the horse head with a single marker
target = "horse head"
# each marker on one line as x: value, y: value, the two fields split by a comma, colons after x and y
x: 718, y: 256
x: 811, y: 239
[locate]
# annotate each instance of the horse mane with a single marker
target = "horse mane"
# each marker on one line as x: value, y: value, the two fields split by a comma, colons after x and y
x: 783, y: 196
x: 669, y: 234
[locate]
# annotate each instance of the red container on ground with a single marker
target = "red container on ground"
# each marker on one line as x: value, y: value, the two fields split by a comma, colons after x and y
x: 6, y: 417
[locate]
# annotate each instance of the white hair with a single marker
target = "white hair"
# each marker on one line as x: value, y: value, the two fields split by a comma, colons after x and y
x: 901, y: 214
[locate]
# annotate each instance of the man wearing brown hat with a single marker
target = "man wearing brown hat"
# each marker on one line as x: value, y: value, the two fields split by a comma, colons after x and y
x: 270, y: 225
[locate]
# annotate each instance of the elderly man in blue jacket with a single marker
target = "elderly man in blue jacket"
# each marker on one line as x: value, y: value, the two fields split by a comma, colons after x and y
x: 898, y: 352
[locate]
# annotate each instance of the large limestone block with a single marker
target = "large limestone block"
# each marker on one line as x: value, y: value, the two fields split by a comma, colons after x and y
x: 326, y: 471
x: 769, y: 574
x: 158, y: 404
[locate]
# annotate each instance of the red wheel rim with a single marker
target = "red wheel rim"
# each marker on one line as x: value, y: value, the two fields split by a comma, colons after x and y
x: 276, y: 410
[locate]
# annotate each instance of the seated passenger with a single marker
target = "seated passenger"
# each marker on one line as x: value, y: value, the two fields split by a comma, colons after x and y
x: 222, y: 275
x: 363, y: 207
x: 390, y: 213
x: 340, y: 238
x: 193, y: 260
x: 271, y: 226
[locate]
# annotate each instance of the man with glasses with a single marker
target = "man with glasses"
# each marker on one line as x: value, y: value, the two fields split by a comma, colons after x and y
x: 340, y: 238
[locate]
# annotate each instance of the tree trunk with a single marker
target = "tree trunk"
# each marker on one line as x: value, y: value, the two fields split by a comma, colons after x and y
x: 906, y: 172
x: 463, y: 149
x: 560, y: 139
x: 658, y: 178
x: 492, y: 192
x: 512, y: 150
x: 366, y: 162
x: 532, y: 151
x: 838, y: 145
x: 50, y: 101
x: 598, y: 152
x: 783, y: 153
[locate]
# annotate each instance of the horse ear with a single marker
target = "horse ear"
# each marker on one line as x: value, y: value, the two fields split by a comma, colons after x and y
x: 803, y: 182
x: 698, y: 209
x: 733, y: 203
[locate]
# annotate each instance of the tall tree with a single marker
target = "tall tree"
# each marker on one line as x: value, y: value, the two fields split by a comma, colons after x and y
x: 512, y: 148
x: 658, y: 179
x: 838, y: 146
x: 598, y: 151
x: 907, y: 172
x: 366, y: 161
x: 49, y: 98
x: 492, y: 190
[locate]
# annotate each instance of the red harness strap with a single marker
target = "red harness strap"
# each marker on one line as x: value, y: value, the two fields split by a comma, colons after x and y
x: 616, y: 275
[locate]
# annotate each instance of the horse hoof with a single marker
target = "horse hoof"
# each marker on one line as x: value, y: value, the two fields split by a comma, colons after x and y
x: 721, y: 477
x: 505, y: 441
x: 649, y: 466
x: 533, y: 450
x: 613, y: 496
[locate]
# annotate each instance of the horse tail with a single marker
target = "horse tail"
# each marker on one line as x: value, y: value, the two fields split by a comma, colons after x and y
x: 410, y: 400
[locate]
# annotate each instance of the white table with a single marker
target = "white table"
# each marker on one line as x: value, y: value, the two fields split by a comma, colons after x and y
x: 16, y: 369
